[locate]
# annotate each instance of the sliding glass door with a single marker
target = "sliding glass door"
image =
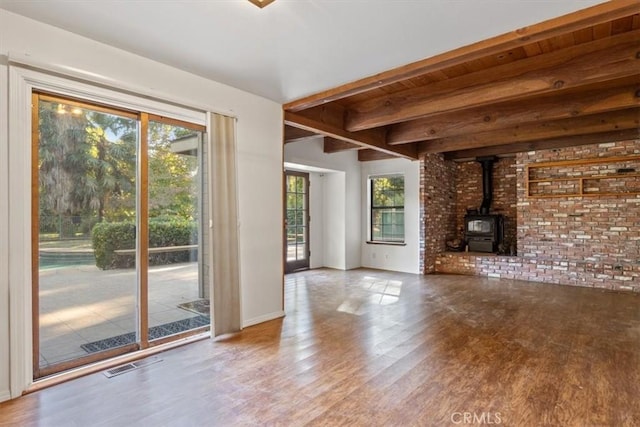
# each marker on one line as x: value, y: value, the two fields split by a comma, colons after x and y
x: 117, y: 206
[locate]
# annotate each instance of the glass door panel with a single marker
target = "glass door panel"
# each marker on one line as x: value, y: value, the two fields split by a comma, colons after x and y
x: 178, y: 300
x: 84, y: 204
x: 297, y: 220
x: 117, y: 207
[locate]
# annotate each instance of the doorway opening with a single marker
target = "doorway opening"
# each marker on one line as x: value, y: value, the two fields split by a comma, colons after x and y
x: 297, y: 219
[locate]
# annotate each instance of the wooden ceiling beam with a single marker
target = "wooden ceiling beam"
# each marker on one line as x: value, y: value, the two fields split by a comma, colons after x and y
x: 546, y: 144
x: 332, y: 145
x: 606, y: 122
x: 292, y: 134
x: 598, y: 14
x: 512, y: 113
x: 374, y: 139
x: 367, y: 155
x: 618, y: 60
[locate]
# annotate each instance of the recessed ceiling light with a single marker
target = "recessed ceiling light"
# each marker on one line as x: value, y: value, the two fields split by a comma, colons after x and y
x: 261, y: 3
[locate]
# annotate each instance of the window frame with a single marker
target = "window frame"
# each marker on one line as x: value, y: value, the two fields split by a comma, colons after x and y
x: 24, y: 79
x: 372, y: 209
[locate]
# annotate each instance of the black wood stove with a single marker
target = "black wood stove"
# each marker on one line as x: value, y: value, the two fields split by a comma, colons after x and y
x: 482, y: 230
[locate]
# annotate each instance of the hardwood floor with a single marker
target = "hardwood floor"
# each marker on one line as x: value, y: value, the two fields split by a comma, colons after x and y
x: 367, y: 347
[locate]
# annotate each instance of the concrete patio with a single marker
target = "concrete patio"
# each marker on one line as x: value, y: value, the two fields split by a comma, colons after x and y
x: 82, y: 304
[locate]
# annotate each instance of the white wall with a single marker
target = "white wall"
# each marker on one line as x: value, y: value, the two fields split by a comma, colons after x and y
x: 342, y: 228
x: 259, y: 138
x: 316, y: 226
x: 390, y: 257
x: 335, y: 228
x: 4, y: 231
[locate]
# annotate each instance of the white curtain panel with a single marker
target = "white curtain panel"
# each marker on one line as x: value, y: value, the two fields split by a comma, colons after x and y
x: 225, y: 292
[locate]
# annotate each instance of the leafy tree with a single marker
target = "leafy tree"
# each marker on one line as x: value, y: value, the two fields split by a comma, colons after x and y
x: 87, y: 167
x: 111, y: 180
x: 173, y: 187
x: 388, y: 191
x: 85, y: 157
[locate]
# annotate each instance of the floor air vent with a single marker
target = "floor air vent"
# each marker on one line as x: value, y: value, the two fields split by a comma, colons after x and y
x: 119, y: 370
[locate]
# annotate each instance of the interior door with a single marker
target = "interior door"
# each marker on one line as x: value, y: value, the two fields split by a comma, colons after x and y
x: 296, y: 221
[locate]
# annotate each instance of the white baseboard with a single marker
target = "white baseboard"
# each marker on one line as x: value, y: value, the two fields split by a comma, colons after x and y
x: 261, y: 319
x: 5, y: 395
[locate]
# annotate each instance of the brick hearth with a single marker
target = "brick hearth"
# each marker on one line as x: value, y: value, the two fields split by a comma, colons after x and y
x: 581, y: 241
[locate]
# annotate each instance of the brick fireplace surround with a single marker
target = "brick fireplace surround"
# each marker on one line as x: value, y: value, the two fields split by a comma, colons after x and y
x: 591, y: 241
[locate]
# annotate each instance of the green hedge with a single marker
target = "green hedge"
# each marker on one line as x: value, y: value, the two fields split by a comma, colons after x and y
x: 108, y: 237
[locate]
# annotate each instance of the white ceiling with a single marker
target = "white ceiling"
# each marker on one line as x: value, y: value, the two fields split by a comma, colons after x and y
x: 291, y: 48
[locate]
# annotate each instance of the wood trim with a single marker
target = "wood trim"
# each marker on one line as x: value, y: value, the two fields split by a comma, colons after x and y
x: 512, y: 113
x: 606, y: 122
x: 262, y: 3
x: 368, y: 139
x: 292, y: 134
x: 557, y: 196
x: 580, y: 162
x: 35, y: 233
x: 559, y: 71
x: 143, y: 231
x: 545, y: 144
x: 575, y: 21
x: 332, y: 145
x: 371, y: 155
x: 63, y: 366
x: 587, y: 178
x: 88, y: 105
x: 176, y: 122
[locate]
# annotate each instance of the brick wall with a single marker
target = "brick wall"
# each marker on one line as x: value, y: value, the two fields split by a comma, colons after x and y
x: 469, y: 194
x: 584, y: 241
x: 598, y: 236
x: 437, y: 208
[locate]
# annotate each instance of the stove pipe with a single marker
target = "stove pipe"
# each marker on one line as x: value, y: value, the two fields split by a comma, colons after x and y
x: 487, y: 183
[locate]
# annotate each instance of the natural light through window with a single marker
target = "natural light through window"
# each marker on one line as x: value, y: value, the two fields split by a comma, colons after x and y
x: 371, y: 291
x: 386, y: 208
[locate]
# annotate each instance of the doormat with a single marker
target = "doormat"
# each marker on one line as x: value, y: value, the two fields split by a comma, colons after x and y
x: 199, y: 306
x: 155, y: 332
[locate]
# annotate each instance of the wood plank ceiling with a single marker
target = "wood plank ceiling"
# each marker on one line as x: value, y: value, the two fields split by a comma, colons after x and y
x: 569, y: 81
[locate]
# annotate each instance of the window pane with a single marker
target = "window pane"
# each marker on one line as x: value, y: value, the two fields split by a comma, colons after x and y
x: 300, y: 236
x: 291, y: 201
x: 177, y: 292
x: 300, y: 252
x: 387, y: 208
x: 291, y: 217
x: 291, y: 184
x: 87, y: 203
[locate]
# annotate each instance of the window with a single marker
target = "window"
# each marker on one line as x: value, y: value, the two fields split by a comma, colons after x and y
x: 387, y: 208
